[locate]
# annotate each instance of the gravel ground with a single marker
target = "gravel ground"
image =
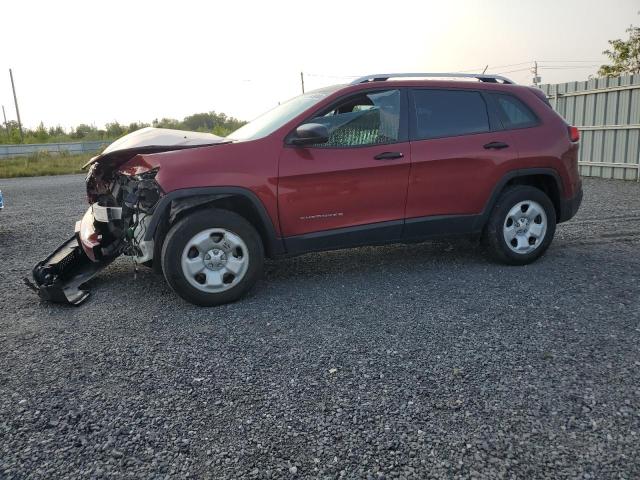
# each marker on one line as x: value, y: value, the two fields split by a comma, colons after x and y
x: 389, y: 362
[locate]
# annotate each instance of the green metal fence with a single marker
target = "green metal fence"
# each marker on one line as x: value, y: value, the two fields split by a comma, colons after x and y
x: 607, y: 112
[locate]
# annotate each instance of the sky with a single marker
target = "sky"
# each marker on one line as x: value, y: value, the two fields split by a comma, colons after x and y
x: 96, y: 62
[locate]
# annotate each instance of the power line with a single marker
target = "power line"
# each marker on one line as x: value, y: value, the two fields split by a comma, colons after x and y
x: 532, y: 66
x: 569, y: 61
x: 471, y: 70
x: 513, y: 64
x: 531, y: 62
x: 513, y: 71
x: 491, y: 67
x: 567, y: 67
x: 330, y: 76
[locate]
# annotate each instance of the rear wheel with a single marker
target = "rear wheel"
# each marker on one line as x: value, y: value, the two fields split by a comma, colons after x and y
x: 212, y: 257
x: 521, y: 226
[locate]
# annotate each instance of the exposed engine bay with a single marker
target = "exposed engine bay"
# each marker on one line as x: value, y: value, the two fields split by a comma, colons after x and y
x: 122, y: 201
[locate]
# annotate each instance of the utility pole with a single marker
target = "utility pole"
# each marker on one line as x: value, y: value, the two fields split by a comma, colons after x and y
x: 6, y: 125
x: 534, y: 70
x: 302, y: 81
x: 15, y: 100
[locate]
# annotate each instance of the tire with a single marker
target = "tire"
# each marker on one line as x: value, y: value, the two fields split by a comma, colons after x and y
x: 516, y: 234
x: 203, y: 277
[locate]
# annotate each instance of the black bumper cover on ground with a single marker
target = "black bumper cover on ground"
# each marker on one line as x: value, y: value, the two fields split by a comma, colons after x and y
x: 59, y: 278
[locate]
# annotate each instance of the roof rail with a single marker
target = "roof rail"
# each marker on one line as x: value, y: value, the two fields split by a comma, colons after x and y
x: 381, y: 77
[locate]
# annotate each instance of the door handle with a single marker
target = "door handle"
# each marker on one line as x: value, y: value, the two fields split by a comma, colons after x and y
x: 496, y: 145
x: 389, y: 155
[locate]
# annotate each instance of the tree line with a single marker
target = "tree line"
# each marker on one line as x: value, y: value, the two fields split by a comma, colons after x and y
x: 210, y: 122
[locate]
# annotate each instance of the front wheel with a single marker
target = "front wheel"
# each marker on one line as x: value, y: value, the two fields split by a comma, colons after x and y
x: 212, y: 257
x: 521, y: 226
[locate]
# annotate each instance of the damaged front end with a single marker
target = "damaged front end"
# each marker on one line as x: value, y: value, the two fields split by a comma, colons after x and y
x: 113, y: 225
x: 122, y: 193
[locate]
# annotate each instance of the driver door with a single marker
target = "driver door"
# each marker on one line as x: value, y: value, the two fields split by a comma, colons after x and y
x: 352, y: 189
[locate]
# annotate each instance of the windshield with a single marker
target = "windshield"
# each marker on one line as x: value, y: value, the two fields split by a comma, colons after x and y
x: 277, y: 117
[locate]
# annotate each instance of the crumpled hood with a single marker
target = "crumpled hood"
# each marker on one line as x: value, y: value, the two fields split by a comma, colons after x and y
x: 162, y: 137
x: 144, y: 141
x: 152, y: 140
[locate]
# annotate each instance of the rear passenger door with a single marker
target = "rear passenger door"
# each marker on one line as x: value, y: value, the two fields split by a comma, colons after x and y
x: 458, y: 151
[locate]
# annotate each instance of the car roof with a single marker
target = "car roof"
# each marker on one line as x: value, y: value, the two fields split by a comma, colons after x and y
x: 483, y: 77
x: 442, y: 84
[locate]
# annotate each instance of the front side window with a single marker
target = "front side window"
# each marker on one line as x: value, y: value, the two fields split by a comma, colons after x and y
x: 369, y: 118
x: 514, y: 113
x: 449, y: 113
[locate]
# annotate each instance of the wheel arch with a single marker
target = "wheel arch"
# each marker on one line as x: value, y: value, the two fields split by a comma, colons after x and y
x: 546, y: 179
x: 175, y: 205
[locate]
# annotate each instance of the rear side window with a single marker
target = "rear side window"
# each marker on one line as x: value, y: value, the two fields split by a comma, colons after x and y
x: 513, y: 112
x: 449, y: 113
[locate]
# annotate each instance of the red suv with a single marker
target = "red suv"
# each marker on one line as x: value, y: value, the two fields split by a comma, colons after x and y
x: 387, y: 158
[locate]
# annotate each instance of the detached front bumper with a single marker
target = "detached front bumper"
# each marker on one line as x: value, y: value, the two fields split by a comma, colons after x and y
x: 61, y: 275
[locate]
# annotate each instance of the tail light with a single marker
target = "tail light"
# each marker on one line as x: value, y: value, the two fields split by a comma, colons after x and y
x: 574, y: 134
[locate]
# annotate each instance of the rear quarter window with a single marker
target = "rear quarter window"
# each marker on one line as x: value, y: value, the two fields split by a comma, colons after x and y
x: 513, y: 112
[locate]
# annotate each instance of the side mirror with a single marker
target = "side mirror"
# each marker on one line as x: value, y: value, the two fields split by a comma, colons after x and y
x: 310, y: 134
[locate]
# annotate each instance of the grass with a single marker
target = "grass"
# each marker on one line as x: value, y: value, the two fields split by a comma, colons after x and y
x: 42, y: 163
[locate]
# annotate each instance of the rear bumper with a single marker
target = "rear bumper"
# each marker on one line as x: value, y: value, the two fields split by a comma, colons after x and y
x: 569, y: 206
